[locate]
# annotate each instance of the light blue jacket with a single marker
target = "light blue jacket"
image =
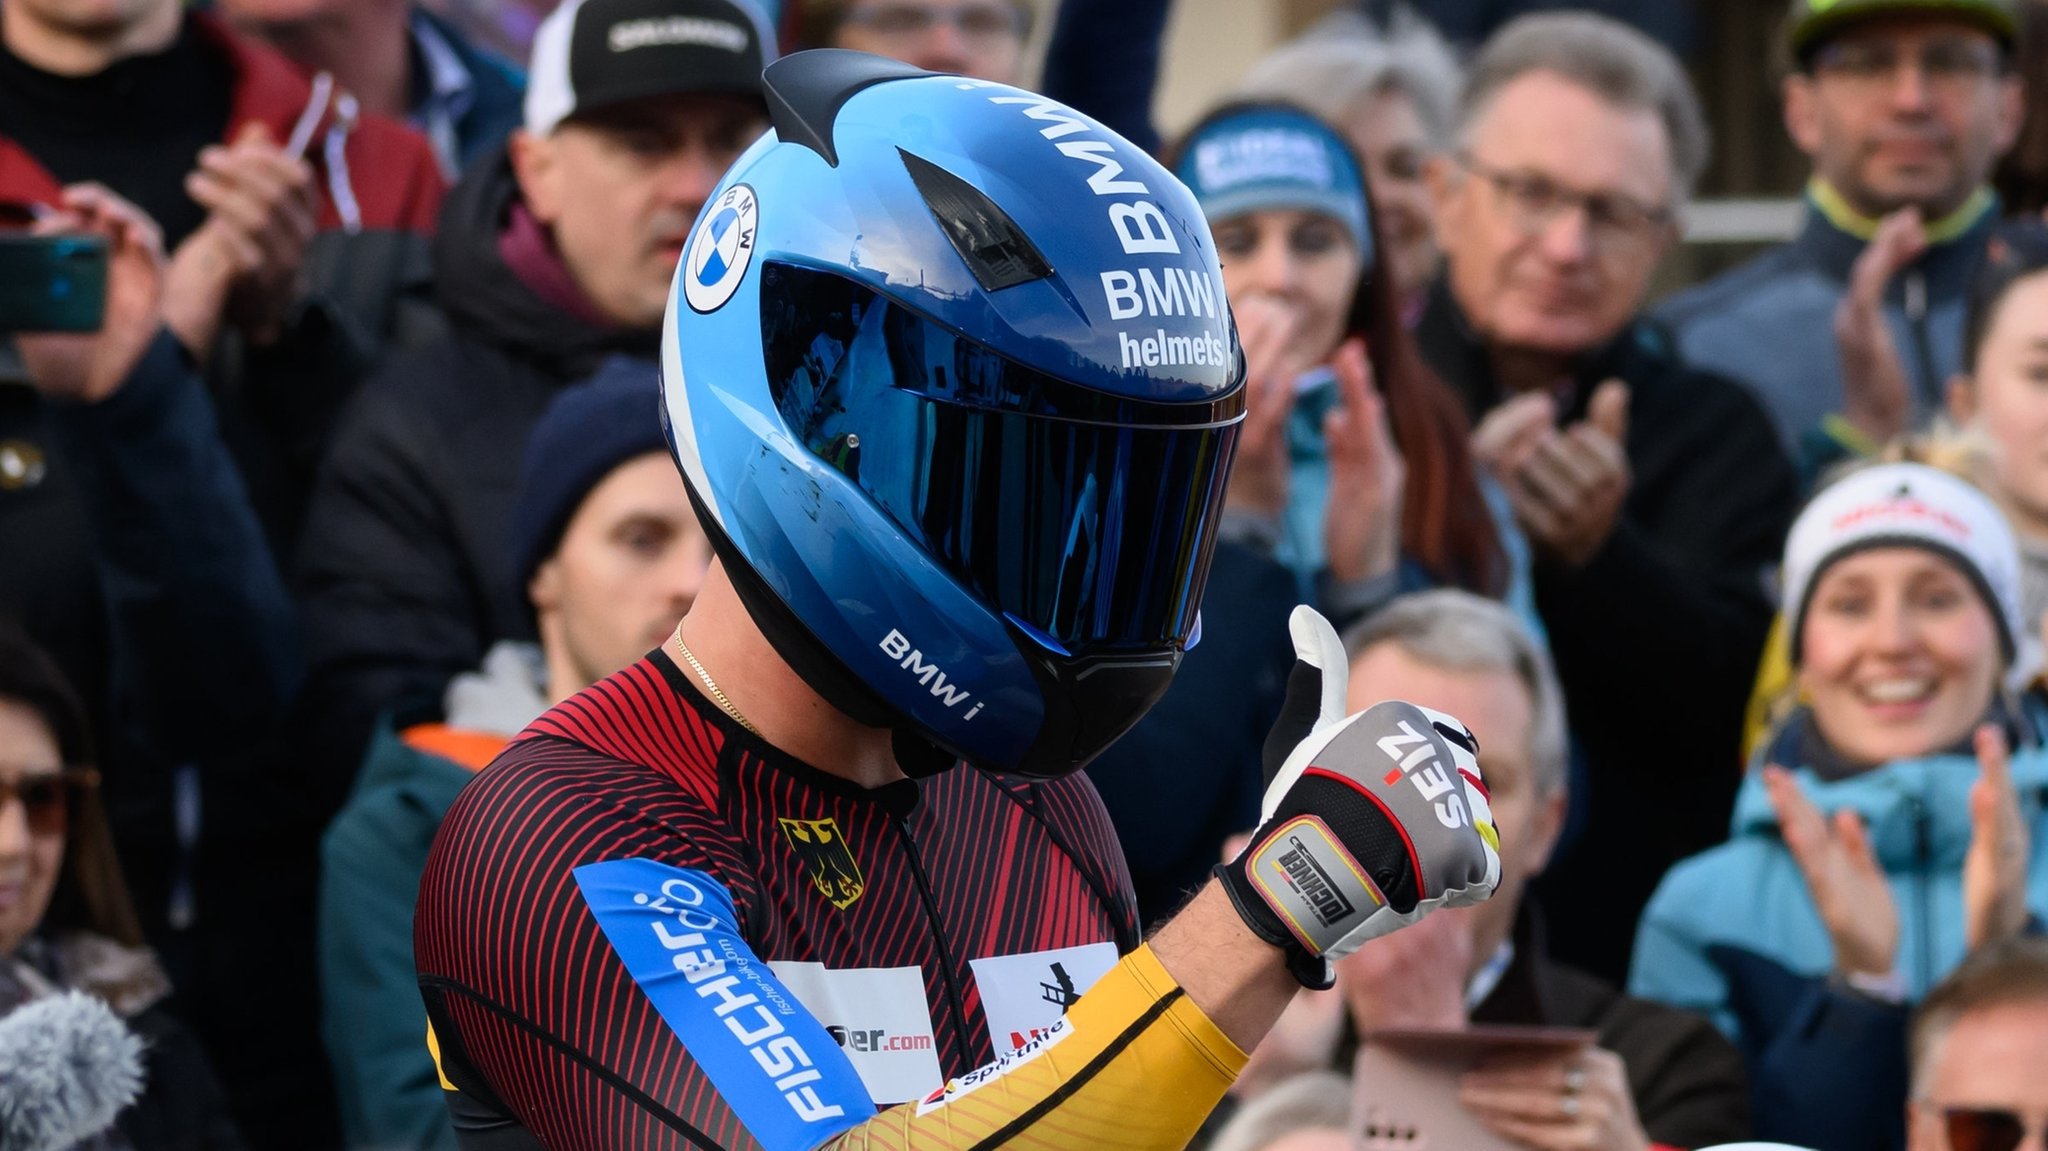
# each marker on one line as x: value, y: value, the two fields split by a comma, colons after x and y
x: 1724, y: 909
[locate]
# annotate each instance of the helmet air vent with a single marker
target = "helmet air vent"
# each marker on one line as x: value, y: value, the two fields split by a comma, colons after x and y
x: 996, y: 250
x: 805, y: 91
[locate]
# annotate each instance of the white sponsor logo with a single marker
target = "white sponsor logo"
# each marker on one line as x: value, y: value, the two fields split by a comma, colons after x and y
x: 1161, y: 350
x: 1140, y: 226
x: 724, y: 246
x: 986, y: 1074
x: 1023, y: 996
x: 1428, y: 776
x: 1262, y: 154
x: 655, y: 31
x: 1173, y: 292
x: 879, y: 1017
x: 897, y: 647
x: 743, y: 997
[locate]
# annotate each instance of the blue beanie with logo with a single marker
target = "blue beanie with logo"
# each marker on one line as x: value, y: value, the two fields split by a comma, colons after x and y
x: 1257, y: 157
x: 588, y: 430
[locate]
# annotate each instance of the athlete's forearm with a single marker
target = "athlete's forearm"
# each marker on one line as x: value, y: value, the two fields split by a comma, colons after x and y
x: 1237, y: 979
x: 1134, y: 1064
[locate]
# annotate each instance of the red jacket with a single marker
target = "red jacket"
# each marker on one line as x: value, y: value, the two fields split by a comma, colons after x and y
x: 374, y: 173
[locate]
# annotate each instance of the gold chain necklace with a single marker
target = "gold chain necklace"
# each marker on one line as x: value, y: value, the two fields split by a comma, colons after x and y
x: 711, y: 685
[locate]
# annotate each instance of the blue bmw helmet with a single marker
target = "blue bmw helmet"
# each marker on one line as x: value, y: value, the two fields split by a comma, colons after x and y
x: 951, y: 378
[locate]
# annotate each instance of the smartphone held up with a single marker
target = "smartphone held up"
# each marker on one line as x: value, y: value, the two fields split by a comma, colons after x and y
x: 52, y: 283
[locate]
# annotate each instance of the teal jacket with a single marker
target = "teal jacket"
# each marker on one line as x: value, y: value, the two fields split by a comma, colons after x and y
x: 371, y: 1018
x: 1748, y: 894
x: 1732, y: 934
x: 371, y: 861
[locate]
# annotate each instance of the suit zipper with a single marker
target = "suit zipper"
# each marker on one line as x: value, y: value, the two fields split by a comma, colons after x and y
x: 931, y: 911
x: 1923, y: 353
x: 1923, y: 930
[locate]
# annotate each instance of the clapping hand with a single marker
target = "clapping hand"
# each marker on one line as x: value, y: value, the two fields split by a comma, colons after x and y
x: 241, y: 266
x: 1567, y: 486
x: 1266, y: 329
x: 1368, y: 477
x: 1995, y: 868
x: 1876, y: 398
x: 1848, y: 885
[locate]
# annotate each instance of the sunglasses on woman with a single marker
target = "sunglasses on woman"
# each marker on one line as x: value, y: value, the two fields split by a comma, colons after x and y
x: 1983, y: 1128
x: 46, y: 796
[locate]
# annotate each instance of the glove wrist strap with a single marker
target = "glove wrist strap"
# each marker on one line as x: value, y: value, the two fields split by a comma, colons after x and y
x: 1308, y: 968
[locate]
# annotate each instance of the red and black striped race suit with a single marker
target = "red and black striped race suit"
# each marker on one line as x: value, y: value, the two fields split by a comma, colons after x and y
x: 928, y: 928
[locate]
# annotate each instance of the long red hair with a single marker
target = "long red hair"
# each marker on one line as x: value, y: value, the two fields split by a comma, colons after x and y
x: 1445, y: 522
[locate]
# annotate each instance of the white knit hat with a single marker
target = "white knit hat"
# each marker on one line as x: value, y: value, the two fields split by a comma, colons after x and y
x: 1910, y: 505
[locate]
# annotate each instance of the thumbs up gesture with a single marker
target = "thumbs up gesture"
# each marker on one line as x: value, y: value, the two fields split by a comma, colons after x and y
x: 1370, y: 821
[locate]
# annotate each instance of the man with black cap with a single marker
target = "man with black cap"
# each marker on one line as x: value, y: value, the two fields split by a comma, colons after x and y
x: 609, y: 555
x: 551, y: 256
x: 1850, y: 331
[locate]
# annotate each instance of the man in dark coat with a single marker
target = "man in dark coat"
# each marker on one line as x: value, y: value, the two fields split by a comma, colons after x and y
x: 1918, y: 152
x: 1653, y: 496
x: 552, y: 255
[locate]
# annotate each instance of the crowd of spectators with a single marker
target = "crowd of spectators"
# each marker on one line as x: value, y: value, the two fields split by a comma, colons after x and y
x: 1743, y: 590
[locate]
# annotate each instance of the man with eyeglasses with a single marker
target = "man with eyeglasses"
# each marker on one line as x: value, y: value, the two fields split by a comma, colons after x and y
x: 1849, y: 332
x: 1980, y: 1055
x: 1653, y: 495
x: 979, y: 38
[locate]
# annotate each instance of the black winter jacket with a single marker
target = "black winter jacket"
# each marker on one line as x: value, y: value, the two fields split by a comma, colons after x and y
x: 1657, y: 637
x: 405, y: 572
x: 129, y: 547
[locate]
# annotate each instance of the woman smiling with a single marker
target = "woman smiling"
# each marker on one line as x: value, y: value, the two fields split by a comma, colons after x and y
x: 1896, y: 821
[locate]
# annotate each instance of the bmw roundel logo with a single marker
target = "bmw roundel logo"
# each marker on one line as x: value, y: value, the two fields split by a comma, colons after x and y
x: 724, y: 245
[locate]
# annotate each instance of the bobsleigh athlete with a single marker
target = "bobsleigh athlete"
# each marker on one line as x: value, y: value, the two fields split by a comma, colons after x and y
x: 950, y: 375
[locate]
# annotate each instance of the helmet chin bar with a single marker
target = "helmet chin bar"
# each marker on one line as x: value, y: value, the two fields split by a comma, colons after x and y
x: 919, y: 757
x: 1105, y: 695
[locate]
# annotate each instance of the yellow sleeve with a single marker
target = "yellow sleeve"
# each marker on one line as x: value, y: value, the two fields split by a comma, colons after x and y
x: 1134, y: 1064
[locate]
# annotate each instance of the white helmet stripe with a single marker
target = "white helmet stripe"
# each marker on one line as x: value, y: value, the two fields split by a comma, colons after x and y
x: 682, y: 426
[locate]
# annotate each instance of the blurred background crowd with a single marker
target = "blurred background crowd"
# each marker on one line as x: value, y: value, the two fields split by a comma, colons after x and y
x: 1659, y: 387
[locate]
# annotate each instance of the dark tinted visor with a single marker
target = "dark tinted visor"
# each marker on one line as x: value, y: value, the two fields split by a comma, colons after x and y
x: 1087, y: 518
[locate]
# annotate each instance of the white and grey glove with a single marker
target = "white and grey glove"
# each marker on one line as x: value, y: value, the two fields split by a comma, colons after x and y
x: 1370, y: 821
